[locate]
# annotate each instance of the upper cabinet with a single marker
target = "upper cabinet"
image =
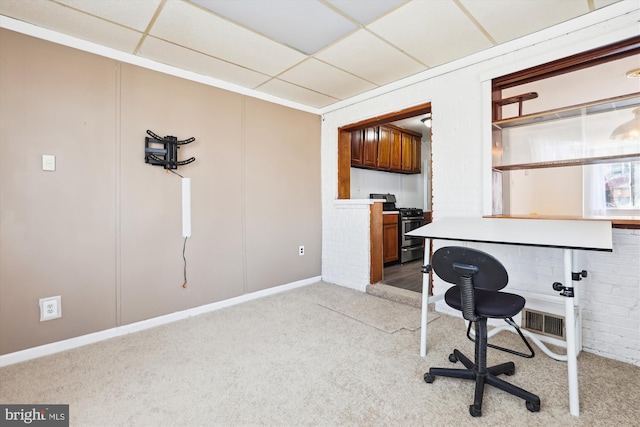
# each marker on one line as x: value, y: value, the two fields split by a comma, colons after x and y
x: 577, y: 135
x: 395, y: 161
x: 370, y: 151
x: 386, y: 148
x: 364, y: 148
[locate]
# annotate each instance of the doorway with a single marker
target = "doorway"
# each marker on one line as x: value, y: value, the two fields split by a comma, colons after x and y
x: 408, y: 275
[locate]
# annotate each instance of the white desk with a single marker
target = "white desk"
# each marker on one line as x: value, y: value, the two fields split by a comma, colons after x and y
x: 564, y: 234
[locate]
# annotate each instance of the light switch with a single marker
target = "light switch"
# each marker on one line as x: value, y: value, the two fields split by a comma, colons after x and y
x: 48, y: 162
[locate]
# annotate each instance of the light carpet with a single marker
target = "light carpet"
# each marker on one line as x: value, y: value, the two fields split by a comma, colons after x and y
x: 318, y: 355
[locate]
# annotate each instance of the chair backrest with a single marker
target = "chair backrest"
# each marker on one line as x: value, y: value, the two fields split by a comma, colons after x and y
x: 490, y: 274
x: 469, y: 269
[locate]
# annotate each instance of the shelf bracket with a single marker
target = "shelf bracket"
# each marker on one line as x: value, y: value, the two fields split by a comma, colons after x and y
x: 516, y: 98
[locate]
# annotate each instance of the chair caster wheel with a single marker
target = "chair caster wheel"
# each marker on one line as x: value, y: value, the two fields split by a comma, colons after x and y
x: 533, y: 407
x: 428, y: 378
x: 453, y: 358
x: 475, y: 412
x: 511, y: 372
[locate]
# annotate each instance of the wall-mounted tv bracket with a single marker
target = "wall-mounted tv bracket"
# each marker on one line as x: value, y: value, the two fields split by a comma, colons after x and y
x: 166, y: 156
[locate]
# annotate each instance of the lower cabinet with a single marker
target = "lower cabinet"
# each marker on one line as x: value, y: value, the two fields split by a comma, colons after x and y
x: 390, y: 237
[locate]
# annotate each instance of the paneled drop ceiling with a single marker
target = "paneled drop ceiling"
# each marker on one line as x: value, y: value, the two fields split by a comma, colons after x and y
x: 310, y: 52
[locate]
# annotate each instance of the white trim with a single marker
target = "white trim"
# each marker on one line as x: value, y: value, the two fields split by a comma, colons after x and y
x: 612, y: 33
x: 71, y: 343
x: 354, y: 203
x: 487, y: 149
x: 86, y: 46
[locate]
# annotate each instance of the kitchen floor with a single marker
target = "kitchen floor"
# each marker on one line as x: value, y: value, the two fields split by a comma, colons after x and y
x: 405, y: 276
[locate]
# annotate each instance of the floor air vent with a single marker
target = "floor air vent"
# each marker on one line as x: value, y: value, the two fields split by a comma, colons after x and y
x: 543, y: 323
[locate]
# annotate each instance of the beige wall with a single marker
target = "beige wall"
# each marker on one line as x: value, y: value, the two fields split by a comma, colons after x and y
x: 104, y: 230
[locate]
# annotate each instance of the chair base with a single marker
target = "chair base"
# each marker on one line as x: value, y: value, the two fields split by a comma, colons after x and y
x: 489, y: 376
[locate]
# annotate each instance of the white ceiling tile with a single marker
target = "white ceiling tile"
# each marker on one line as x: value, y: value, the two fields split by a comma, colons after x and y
x: 365, y: 11
x: 67, y: 21
x: 132, y: 14
x: 326, y: 79
x: 400, y: 37
x: 295, y: 93
x: 188, y: 25
x: 376, y: 60
x: 434, y: 31
x: 177, y: 56
x: 304, y: 25
x: 602, y: 3
x: 509, y: 19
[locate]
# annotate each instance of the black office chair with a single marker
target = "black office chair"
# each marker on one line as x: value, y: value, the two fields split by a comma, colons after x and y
x: 478, y: 277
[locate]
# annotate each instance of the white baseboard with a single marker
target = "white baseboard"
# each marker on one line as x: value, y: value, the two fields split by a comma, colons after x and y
x: 68, y: 344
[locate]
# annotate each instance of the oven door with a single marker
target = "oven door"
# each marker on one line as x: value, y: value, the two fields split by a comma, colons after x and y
x: 411, y: 253
x: 408, y: 224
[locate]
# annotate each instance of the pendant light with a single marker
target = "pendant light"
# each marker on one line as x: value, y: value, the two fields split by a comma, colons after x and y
x: 427, y: 120
x: 630, y: 129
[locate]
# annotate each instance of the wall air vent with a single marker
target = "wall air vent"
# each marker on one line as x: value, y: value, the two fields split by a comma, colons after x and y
x: 543, y: 323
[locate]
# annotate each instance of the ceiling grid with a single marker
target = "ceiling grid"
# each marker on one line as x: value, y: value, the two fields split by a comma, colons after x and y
x: 314, y: 52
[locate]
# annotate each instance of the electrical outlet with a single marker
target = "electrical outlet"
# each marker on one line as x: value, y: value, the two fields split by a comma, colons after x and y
x: 50, y: 308
x: 301, y: 250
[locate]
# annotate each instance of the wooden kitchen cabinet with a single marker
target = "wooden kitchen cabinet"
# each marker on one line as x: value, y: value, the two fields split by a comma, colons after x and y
x: 357, y: 147
x: 395, y: 162
x: 389, y: 149
x: 364, y: 148
x: 416, y: 160
x: 407, y: 152
x: 390, y: 238
x: 370, y: 149
x: 386, y: 148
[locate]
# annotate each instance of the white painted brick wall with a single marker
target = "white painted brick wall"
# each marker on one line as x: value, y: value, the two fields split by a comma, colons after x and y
x: 610, y: 295
x: 346, y: 254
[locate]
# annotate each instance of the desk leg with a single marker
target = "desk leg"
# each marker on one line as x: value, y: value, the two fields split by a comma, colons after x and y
x: 424, y: 321
x: 425, y: 303
x: 572, y: 356
x: 576, y: 301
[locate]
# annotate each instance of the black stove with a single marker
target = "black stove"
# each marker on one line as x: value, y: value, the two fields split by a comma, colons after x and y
x: 411, y: 248
x: 411, y: 212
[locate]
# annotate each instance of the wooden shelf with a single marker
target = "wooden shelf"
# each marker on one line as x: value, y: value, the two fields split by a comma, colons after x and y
x: 601, y: 106
x: 571, y: 162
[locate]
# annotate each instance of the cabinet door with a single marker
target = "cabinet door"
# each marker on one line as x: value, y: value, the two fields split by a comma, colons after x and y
x: 370, y: 152
x: 407, y: 153
x: 390, y: 238
x: 357, y: 147
x: 416, y: 161
x: 384, y: 148
x: 395, y: 162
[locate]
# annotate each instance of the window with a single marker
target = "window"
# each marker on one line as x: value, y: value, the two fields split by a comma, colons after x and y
x: 554, y: 150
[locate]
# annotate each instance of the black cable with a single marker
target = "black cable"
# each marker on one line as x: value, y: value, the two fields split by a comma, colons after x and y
x: 175, y: 173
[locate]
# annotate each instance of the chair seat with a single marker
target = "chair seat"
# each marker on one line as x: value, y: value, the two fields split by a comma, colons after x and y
x: 498, y: 305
